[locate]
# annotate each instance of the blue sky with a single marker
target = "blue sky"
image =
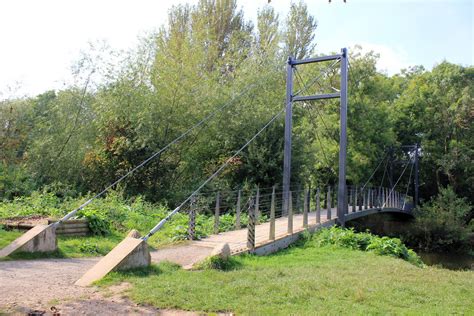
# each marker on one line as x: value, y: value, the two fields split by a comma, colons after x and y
x: 41, y: 39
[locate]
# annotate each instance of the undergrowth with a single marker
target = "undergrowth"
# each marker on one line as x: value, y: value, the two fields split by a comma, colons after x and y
x: 117, y: 215
x: 348, y: 238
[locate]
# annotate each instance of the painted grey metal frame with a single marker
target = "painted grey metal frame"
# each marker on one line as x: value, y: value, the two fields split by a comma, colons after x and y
x: 342, y: 94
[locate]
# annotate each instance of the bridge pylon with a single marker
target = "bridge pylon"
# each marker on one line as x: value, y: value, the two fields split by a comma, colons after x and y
x: 342, y: 95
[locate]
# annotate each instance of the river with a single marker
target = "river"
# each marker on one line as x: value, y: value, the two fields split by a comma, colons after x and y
x: 451, y: 261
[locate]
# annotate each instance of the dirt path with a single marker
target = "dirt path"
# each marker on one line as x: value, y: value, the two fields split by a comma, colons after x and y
x: 27, y: 285
x: 39, y: 284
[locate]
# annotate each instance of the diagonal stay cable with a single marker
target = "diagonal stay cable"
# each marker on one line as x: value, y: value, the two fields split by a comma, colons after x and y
x: 164, y: 220
x: 319, y: 141
x: 359, y: 192
x: 384, y: 172
x: 174, y: 141
x: 408, y: 186
x: 393, y: 188
x: 375, y: 170
x: 324, y: 72
x: 330, y: 135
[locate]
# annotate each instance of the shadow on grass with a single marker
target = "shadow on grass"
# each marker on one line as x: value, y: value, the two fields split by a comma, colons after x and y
x: 57, y: 254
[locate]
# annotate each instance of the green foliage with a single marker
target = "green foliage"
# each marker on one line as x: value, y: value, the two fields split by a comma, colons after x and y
x: 218, y: 263
x: 97, y: 222
x: 114, y: 214
x: 442, y: 224
x: 61, y: 146
x: 384, y: 246
x: 89, y: 248
x: 435, y: 109
x: 15, y: 181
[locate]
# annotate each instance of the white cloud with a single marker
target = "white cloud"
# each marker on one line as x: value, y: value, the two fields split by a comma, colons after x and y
x: 392, y: 59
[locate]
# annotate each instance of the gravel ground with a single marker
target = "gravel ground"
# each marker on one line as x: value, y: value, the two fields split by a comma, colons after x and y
x: 27, y: 285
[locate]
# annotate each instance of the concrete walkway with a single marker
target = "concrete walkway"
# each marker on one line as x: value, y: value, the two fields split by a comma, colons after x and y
x: 237, y: 239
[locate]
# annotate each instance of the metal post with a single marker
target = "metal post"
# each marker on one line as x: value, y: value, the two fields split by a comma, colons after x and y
x: 384, y: 197
x: 272, y: 216
x: 347, y: 201
x: 318, y: 206
x: 374, y: 197
x: 354, y: 202
x: 238, y: 210
x: 368, y: 197
x: 390, y: 167
x: 341, y: 193
x: 298, y: 200
x: 380, y: 198
x: 192, y: 219
x: 387, y: 196
x: 290, y: 213
x: 364, y: 196
x: 349, y: 197
x: 328, y: 204
x: 216, y: 214
x: 257, y: 205
x: 305, y: 208
x: 417, y: 180
x: 288, y: 128
x: 251, y: 228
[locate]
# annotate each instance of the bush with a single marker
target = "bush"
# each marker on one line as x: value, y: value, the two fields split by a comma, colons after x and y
x: 15, y: 181
x: 348, y: 238
x: 218, y: 263
x: 89, y: 248
x: 97, y: 222
x: 442, y: 224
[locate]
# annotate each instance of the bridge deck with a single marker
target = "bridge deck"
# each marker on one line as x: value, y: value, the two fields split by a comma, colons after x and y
x: 237, y: 239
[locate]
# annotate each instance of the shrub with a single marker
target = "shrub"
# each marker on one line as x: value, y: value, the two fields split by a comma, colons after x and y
x: 218, y: 263
x: 88, y: 247
x: 348, y: 238
x: 97, y: 222
x: 15, y: 181
x: 441, y: 224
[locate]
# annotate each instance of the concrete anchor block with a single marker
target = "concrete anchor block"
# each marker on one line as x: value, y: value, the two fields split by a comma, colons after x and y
x: 41, y: 238
x: 129, y: 253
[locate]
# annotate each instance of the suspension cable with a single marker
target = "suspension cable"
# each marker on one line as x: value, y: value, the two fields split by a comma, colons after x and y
x: 174, y: 141
x: 373, y: 173
x: 324, y: 72
x: 384, y: 171
x: 408, y: 186
x: 164, y: 220
x: 320, y: 142
x: 330, y: 135
x: 393, y: 188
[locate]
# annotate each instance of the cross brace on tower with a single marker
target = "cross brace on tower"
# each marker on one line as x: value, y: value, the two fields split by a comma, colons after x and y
x: 290, y: 98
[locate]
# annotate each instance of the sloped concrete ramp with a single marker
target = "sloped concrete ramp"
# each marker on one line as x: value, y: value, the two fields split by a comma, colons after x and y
x: 40, y: 238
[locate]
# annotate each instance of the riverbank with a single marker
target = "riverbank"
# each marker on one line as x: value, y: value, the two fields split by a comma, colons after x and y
x: 451, y: 261
x: 304, y: 280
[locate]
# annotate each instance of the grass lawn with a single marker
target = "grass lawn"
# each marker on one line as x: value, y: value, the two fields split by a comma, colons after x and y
x: 76, y: 247
x: 306, y: 280
x: 69, y: 247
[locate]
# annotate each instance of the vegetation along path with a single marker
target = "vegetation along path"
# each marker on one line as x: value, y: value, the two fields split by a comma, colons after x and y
x: 38, y: 282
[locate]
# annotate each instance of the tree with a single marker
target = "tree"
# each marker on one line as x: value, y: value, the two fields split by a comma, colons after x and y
x: 299, y: 33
